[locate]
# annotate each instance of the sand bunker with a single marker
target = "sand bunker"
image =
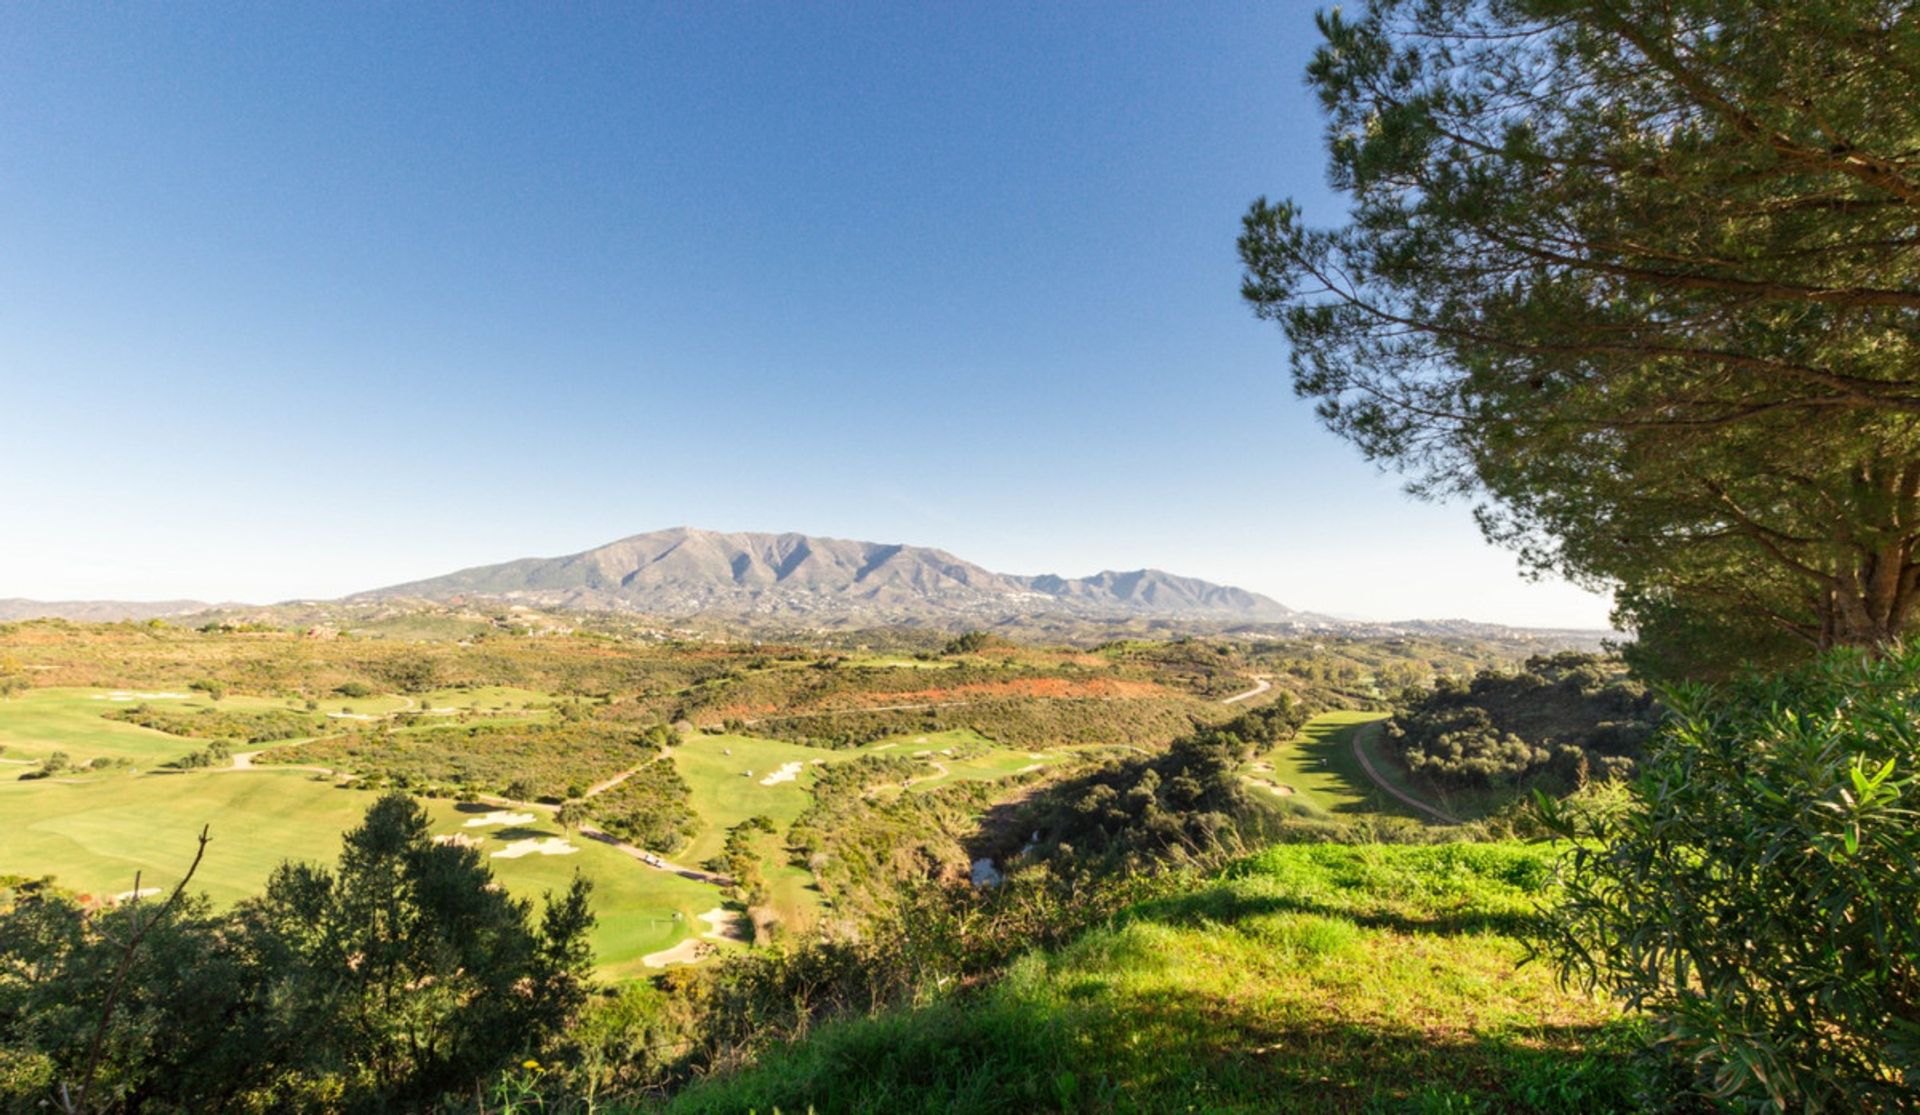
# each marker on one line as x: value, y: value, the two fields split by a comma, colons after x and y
x: 550, y: 846
x: 787, y: 773
x: 884, y: 746
x: 688, y: 951
x: 1280, y: 788
x: 458, y: 840
x: 123, y: 695
x: 500, y: 817
x: 723, y: 925
x: 130, y: 895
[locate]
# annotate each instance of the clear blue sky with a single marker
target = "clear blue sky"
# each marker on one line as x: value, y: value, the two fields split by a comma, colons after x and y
x: 299, y: 301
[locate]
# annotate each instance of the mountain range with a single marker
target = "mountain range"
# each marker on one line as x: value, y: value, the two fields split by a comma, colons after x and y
x: 798, y: 577
x: 798, y: 581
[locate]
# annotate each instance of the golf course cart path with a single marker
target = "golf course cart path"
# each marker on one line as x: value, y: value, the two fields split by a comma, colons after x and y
x: 243, y: 760
x: 1262, y: 686
x: 1366, y: 764
x: 602, y: 787
x: 633, y: 851
x: 666, y: 754
x: 592, y: 832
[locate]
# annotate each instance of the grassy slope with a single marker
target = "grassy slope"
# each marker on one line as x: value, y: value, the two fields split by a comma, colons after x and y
x: 1309, y: 978
x: 723, y: 795
x: 1320, y: 767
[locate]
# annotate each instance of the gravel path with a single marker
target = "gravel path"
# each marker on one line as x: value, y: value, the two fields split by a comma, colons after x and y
x: 1366, y: 764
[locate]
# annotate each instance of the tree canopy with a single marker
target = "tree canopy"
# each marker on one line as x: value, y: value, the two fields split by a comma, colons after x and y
x: 1645, y: 279
x: 404, y: 975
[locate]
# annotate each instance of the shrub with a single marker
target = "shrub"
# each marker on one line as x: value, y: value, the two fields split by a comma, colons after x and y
x: 1563, y: 714
x: 1758, y: 895
x: 649, y: 808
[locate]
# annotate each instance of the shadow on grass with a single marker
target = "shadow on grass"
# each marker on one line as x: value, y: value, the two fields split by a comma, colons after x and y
x: 1333, y: 750
x: 523, y: 832
x: 1171, y: 1051
x: 1222, y: 905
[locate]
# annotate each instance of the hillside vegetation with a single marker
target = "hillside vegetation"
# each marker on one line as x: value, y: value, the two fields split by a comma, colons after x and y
x: 1307, y: 977
x: 1554, y: 724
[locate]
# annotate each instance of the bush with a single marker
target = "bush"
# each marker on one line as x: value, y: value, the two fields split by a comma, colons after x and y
x: 1564, y: 714
x: 1759, y: 895
x: 649, y: 808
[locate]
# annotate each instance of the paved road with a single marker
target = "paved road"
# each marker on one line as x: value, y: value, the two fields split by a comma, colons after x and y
x: 1366, y: 764
x: 1254, y: 692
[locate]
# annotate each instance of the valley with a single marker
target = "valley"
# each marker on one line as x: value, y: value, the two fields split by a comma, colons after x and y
x: 553, y: 756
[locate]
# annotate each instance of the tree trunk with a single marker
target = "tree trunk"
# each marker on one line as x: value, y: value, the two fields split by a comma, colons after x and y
x: 1873, y: 596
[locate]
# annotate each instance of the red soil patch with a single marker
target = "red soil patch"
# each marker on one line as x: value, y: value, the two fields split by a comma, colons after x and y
x: 1028, y: 688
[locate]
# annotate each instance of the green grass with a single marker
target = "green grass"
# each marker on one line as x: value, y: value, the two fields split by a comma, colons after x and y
x: 1310, y: 978
x: 94, y: 836
x: 1000, y: 762
x: 38, y: 722
x: 1325, y: 776
x: 720, y: 791
x: 991, y: 766
x: 1467, y: 803
x: 484, y: 698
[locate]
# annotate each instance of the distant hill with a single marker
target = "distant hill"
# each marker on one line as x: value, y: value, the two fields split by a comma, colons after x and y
x: 97, y: 611
x: 799, y: 578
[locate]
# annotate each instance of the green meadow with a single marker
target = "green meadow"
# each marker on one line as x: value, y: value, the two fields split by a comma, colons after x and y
x: 39, y: 722
x: 36, y: 723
